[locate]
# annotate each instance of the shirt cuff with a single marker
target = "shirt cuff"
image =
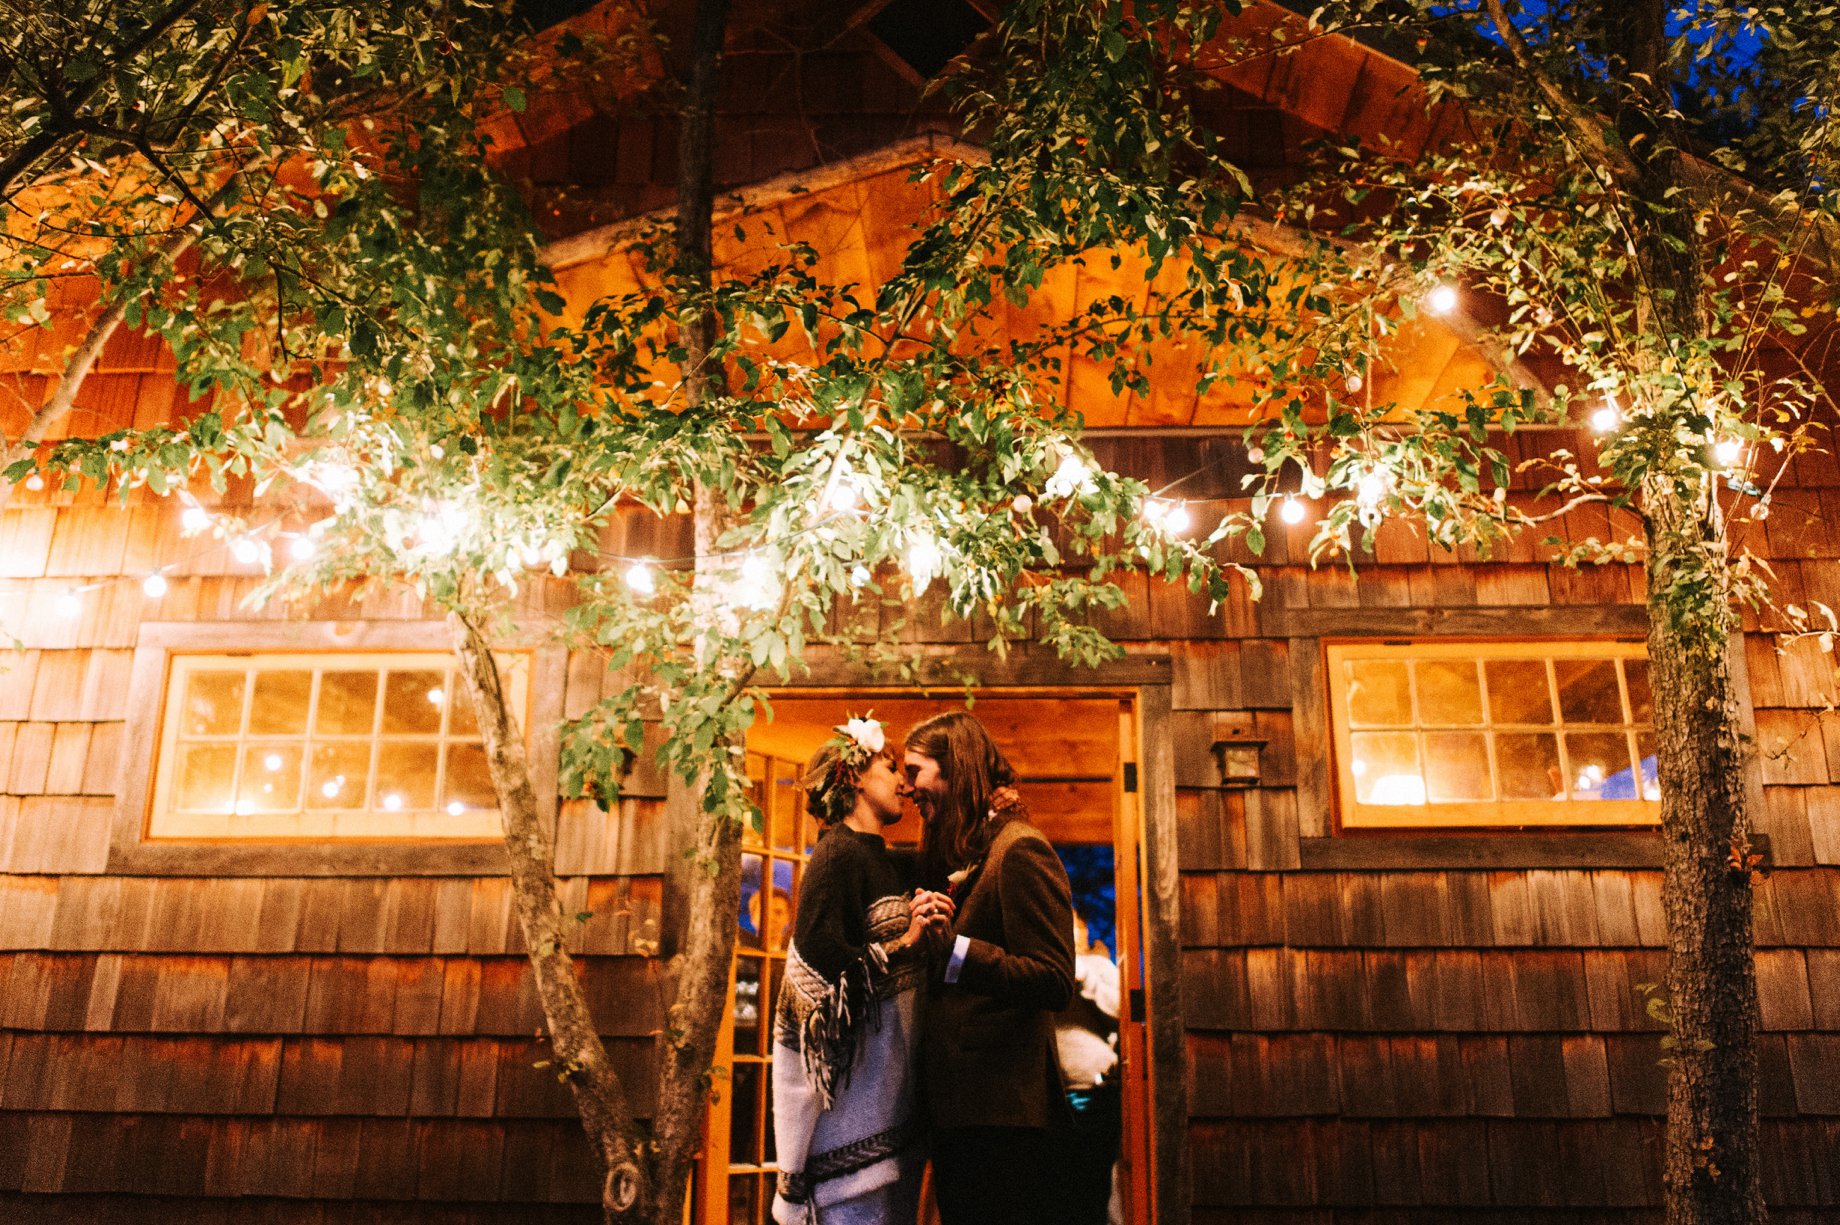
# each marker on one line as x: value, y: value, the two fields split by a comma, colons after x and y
x: 960, y: 947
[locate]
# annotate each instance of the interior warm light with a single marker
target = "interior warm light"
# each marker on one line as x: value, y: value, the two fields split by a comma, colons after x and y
x: 332, y: 786
x: 456, y: 808
x: 437, y: 695
x: 393, y: 802
x: 272, y: 762
x: 1398, y: 789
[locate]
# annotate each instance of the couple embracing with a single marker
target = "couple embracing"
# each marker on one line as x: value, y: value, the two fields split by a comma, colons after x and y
x: 917, y: 1010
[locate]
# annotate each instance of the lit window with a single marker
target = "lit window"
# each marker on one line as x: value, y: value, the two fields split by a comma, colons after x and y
x: 324, y: 746
x: 1493, y: 733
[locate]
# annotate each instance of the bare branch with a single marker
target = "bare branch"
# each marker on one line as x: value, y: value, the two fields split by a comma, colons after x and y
x: 1585, y: 128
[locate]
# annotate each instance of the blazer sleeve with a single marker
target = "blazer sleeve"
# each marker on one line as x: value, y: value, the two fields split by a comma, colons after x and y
x: 1033, y: 967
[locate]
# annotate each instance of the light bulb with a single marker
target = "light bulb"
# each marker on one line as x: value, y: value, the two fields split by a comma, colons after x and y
x: 1728, y: 451
x: 1071, y: 477
x: 455, y: 808
x: 436, y: 696
x: 70, y: 604
x: 756, y: 589
x: 1606, y: 418
x: 332, y: 786
x: 302, y: 548
x: 1022, y: 504
x: 154, y: 585
x: 35, y: 482
x: 859, y: 575
x: 923, y: 558
x: 1441, y: 300
x: 393, y: 802
x: 245, y: 551
x: 194, y: 519
x: 640, y: 580
x: 1178, y: 520
x: 1372, y: 487
x: 842, y: 495
x: 1291, y: 510
x: 1155, y: 512
x: 272, y: 763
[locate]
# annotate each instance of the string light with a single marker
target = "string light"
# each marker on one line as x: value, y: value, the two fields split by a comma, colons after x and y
x: 859, y: 575
x: 1441, y: 299
x: 440, y: 528
x: 640, y: 580
x: 70, y: 604
x: 1728, y: 451
x: 35, y: 483
x: 246, y: 551
x: 302, y: 548
x: 756, y: 589
x: 1022, y: 504
x: 1291, y: 511
x: 842, y: 496
x: 1607, y: 418
x: 154, y: 585
x: 923, y: 558
x: 1072, y: 476
x: 194, y: 519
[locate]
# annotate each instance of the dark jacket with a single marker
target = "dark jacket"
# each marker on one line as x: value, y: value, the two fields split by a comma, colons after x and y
x: 988, y: 1056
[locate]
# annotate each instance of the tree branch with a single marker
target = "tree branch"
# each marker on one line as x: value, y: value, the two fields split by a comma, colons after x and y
x: 1579, y: 123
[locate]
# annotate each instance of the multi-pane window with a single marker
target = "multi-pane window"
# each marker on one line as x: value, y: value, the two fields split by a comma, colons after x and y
x: 271, y: 746
x: 1493, y: 733
x: 741, y: 1121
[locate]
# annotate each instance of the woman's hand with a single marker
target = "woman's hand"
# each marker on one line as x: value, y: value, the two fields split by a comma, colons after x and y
x: 931, y: 922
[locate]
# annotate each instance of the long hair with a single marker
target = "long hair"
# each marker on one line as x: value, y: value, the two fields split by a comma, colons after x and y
x: 960, y: 830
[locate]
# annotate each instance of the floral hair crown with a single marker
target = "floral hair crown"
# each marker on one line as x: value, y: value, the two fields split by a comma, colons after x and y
x: 831, y: 792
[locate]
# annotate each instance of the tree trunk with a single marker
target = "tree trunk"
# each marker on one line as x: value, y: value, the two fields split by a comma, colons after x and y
x: 577, y: 1056
x: 1711, y: 1173
x: 709, y: 877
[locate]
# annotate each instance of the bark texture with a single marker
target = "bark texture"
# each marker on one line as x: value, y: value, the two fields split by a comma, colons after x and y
x: 708, y: 876
x: 1633, y: 138
x: 1711, y: 1171
x: 577, y: 1053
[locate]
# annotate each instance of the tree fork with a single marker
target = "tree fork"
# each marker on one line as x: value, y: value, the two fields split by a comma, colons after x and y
x: 576, y: 1051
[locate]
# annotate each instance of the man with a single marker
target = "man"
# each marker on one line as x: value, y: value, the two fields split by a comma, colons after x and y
x: 987, y: 1059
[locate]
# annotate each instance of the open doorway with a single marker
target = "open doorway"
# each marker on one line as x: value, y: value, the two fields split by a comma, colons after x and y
x: 1075, y: 755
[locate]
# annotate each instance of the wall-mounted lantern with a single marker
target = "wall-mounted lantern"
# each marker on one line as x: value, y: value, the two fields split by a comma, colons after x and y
x: 1236, y: 749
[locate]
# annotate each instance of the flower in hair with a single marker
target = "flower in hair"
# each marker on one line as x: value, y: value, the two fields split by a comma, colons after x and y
x: 866, y: 732
x: 857, y: 741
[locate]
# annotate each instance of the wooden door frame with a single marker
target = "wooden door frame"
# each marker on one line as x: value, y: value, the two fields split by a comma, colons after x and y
x: 1145, y: 680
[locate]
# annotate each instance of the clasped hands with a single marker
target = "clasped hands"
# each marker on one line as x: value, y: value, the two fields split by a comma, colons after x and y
x: 930, y: 925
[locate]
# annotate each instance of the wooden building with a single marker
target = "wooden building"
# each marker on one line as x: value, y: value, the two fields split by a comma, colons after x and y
x: 1346, y: 1017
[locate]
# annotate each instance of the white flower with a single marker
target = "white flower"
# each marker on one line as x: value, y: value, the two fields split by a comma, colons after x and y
x: 866, y: 732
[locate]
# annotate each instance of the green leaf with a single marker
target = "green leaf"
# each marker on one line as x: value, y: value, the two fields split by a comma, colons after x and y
x: 514, y: 98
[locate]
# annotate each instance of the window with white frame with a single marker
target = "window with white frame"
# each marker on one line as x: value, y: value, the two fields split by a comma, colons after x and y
x: 1451, y: 734
x: 364, y: 745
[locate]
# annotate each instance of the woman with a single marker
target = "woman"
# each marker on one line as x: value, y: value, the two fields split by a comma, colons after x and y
x: 993, y: 1081
x: 845, y: 1036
